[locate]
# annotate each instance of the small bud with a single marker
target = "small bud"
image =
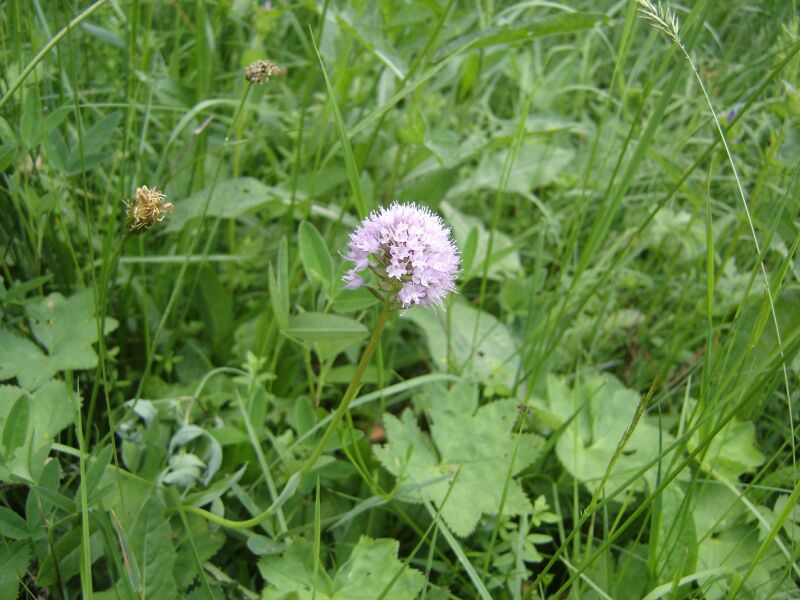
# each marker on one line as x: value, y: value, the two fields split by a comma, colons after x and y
x: 260, y: 71
x: 146, y: 210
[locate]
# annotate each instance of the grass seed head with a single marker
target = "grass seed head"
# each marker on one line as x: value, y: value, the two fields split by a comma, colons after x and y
x: 260, y: 71
x: 147, y: 209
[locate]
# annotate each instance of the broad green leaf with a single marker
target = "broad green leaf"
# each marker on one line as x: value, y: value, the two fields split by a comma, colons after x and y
x: 505, y: 260
x: 15, y: 428
x: 373, y: 38
x: 372, y: 566
x: 322, y: 327
x: 329, y: 334
x: 478, y: 343
x: 66, y: 327
x: 12, y: 525
x: 735, y: 548
x: 51, y: 409
x: 215, y: 305
x: 676, y: 552
x: 14, y: 560
x: 31, y: 122
x: 278, y: 281
x: 605, y: 409
x: 228, y: 199
x: 314, y: 254
x: 151, y: 546
x: 536, y: 165
x: 56, y: 150
x: 68, y: 549
x: 732, y: 452
x: 347, y: 301
x: 206, y: 538
x: 566, y: 22
x: 98, y: 134
x: 478, y: 444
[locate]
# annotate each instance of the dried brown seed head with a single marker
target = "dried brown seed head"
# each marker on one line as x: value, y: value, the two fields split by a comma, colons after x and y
x: 147, y: 209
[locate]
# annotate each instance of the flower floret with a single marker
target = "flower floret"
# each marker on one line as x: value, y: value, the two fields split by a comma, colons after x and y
x: 409, y: 248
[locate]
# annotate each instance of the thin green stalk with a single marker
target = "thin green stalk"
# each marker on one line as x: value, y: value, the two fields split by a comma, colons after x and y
x: 47, y: 47
x: 86, y: 539
x: 294, y: 480
x: 262, y: 462
x: 351, y: 390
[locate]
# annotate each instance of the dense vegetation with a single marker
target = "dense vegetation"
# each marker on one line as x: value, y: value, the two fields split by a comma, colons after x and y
x: 606, y: 408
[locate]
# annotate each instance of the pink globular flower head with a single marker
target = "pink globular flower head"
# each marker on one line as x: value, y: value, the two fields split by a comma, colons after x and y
x: 410, y: 251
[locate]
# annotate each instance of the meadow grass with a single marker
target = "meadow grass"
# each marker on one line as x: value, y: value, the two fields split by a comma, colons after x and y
x: 606, y: 409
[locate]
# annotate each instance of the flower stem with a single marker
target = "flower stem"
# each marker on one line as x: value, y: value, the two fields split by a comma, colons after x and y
x: 294, y: 480
x: 352, y: 389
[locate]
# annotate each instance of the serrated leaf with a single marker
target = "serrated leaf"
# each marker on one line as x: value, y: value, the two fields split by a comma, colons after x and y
x: 153, y: 551
x: 478, y: 444
x: 317, y: 261
x: 14, y: 560
x: 604, y: 410
x: 372, y: 566
x: 67, y: 329
x: 732, y: 452
x: 478, y: 343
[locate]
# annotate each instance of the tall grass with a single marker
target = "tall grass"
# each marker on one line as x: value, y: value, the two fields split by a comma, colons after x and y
x: 626, y: 201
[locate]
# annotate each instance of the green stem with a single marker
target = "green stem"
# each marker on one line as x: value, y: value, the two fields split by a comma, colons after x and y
x: 294, y: 480
x: 352, y: 389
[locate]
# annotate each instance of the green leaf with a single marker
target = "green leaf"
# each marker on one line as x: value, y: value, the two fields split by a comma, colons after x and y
x: 215, y: 305
x: 482, y: 458
x: 329, y: 334
x: 677, y: 541
x: 15, y: 428
x: 68, y: 550
x: 66, y: 327
x: 315, y: 256
x: 372, y: 566
x: 51, y: 408
x: 98, y: 134
x: 566, y: 22
x: 603, y: 409
x: 31, y: 122
x: 732, y: 452
x: 14, y: 560
x: 478, y: 343
x: 323, y: 327
x: 153, y: 551
x: 12, y: 525
x: 278, y: 281
x: 353, y: 173
x: 228, y: 199
x: 472, y: 237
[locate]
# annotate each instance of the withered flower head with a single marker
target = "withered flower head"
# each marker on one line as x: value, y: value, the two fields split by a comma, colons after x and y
x: 260, y: 71
x: 147, y: 209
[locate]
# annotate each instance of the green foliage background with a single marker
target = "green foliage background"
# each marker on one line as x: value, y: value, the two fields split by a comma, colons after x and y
x: 606, y: 409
